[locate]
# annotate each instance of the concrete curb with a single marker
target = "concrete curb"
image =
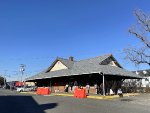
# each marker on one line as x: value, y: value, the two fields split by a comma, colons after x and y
x: 27, y: 92
x: 62, y: 94
x: 99, y: 96
x: 90, y: 96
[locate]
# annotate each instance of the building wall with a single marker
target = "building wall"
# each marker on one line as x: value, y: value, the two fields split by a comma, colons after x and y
x: 30, y: 83
x: 58, y: 66
x: 146, y: 82
x: 58, y: 88
x: 62, y: 88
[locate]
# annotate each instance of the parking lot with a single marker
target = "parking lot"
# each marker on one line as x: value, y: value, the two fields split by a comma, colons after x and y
x: 13, y: 102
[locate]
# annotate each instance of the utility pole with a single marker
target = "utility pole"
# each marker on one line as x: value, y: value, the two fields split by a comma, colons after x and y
x: 5, y: 75
x: 4, y: 82
x: 22, y: 69
x: 5, y: 78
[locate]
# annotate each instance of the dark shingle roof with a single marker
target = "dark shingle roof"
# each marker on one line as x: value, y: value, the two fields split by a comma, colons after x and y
x: 87, y: 66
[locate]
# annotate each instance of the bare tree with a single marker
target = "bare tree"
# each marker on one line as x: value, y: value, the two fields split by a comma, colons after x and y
x: 140, y: 30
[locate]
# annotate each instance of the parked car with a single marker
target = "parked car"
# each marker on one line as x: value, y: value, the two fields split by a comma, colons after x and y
x: 34, y: 88
x: 26, y: 88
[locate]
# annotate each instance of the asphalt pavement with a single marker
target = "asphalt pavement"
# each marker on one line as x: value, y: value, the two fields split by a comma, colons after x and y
x: 13, y: 102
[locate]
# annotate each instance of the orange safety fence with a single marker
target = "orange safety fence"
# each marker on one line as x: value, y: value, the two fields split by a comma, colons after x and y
x: 80, y: 93
x: 43, y: 91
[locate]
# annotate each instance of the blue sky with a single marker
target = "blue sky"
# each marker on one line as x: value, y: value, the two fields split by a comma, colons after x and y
x: 35, y: 32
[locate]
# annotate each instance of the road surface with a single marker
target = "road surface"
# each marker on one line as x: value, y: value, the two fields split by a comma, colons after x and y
x: 12, y: 102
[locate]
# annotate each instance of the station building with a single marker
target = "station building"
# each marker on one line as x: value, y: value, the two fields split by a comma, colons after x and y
x: 88, y: 71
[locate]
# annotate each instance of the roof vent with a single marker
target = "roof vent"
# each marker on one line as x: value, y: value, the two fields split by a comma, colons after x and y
x: 71, y: 58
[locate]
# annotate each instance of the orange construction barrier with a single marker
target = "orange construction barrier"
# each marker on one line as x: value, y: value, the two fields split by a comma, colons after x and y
x: 38, y: 90
x: 43, y: 91
x: 80, y: 93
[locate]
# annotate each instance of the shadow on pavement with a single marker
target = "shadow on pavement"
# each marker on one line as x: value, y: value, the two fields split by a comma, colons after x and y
x: 23, y: 104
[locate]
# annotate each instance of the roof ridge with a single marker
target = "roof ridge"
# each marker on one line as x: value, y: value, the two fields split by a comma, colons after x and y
x: 66, y: 59
x: 62, y: 58
x: 95, y: 57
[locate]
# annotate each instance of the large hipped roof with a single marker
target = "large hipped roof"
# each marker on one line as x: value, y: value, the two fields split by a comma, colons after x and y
x: 88, y: 66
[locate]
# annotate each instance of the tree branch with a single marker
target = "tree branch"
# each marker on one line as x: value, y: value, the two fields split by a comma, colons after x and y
x: 141, y: 31
x: 144, y: 22
x: 137, y: 56
x: 142, y: 38
x: 143, y: 19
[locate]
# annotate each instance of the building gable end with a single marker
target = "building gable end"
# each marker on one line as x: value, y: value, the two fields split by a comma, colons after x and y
x: 58, y: 66
x: 111, y: 61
